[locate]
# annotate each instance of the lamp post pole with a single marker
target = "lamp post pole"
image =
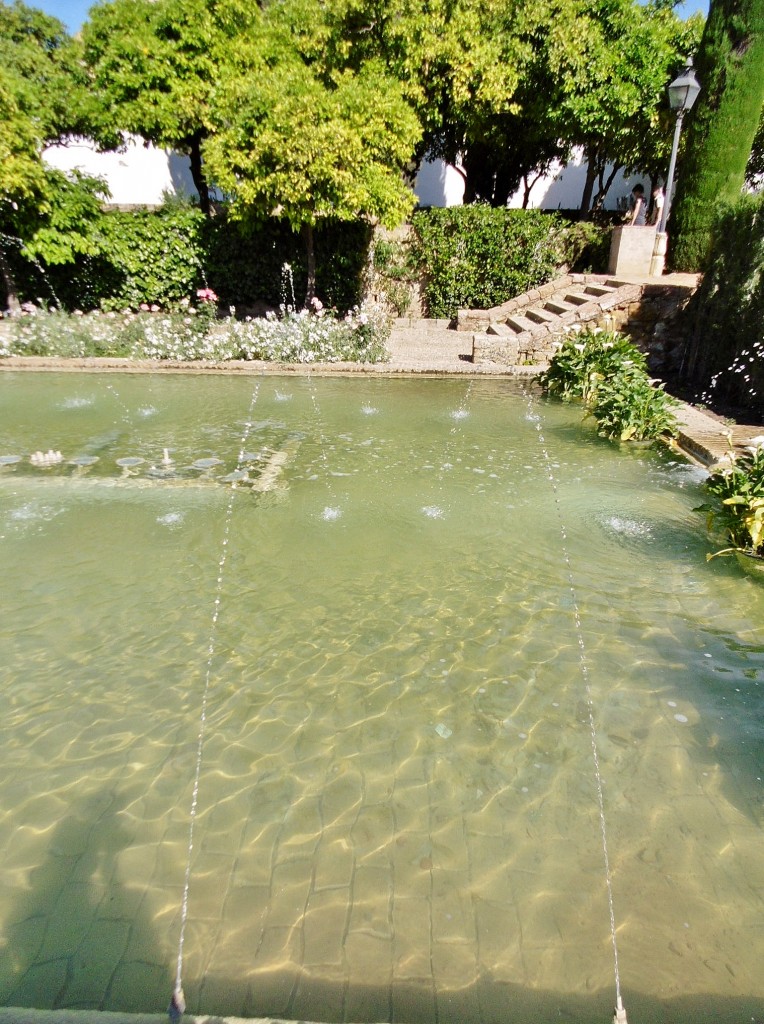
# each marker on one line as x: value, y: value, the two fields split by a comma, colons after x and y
x: 683, y: 92
x: 672, y: 168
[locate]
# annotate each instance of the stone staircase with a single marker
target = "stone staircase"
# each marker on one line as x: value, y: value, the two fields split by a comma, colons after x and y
x: 524, y: 330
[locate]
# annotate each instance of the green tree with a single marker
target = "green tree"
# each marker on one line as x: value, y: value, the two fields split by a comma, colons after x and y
x: 44, y: 99
x: 722, y: 125
x: 612, y: 76
x: 508, y: 87
x: 453, y: 58
x: 154, y: 65
x: 293, y: 143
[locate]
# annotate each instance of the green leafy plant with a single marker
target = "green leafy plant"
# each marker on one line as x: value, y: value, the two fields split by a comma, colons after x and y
x: 739, y: 488
x: 584, y: 359
x: 608, y: 374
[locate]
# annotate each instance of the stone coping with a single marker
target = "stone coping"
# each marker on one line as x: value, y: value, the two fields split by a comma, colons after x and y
x: 23, y: 1015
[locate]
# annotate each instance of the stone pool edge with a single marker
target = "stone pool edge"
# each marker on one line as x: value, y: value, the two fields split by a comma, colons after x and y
x: 23, y: 1015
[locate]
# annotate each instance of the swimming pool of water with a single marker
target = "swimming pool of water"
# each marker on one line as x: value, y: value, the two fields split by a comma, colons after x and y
x: 397, y: 812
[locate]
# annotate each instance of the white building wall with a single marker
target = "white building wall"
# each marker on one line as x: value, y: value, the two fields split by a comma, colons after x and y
x: 560, y: 189
x: 439, y: 184
x: 142, y: 174
x: 139, y: 176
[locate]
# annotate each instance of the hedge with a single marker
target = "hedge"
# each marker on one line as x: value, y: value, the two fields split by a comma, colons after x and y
x: 726, y: 351
x: 476, y: 257
x: 162, y: 256
x: 471, y: 256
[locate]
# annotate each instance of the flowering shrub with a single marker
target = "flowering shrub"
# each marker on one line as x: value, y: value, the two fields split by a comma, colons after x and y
x: 607, y: 372
x: 313, y: 337
x: 188, y: 334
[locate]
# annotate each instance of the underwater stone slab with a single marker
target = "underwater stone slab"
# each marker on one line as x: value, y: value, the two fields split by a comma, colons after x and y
x: 319, y: 995
x: 152, y: 980
x: 499, y: 935
x: 324, y: 928
x: 40, y: 985
x: 372, y: 883
x: 454, y: 966
x: 413, y: 1000
x: 367, y: 1002
x: 412, y: 936
x: 369, y: 957
x: 333, y: 863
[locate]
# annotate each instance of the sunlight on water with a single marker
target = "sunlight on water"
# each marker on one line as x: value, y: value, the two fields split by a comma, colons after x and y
x: 397, y: 812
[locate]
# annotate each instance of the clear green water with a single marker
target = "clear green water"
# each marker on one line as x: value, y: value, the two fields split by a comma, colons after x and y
x: 397, y: 812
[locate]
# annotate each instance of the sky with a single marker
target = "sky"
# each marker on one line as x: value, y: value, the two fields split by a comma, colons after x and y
x: 74, y: 12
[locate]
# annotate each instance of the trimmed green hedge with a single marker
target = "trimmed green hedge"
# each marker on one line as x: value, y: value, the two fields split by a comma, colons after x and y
x: 476, y: 257
x: 162, y: 256
x: 726, y: 353
x: 468, y: 257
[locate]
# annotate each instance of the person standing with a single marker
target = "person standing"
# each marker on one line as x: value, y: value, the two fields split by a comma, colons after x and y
x: 637, y: 207
x: 659, y: 198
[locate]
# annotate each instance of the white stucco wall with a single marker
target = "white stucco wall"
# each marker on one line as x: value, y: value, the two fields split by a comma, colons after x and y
x: 563, y: 186
x: 142, y: 174
x: 439, y: 184
x: 139, y: 175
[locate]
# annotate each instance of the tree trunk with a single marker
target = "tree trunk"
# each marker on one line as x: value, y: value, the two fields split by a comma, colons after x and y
x: 11, y: 295
x: 197, y: 173
x: 310, y: 254
x: 479, y: 172
x: 527, y: 187
x: 591, y: 174
x: 720, y: 128
x: 604, y: 188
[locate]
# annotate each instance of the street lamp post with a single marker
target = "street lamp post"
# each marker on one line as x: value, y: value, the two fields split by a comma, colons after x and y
x: 683, y: 92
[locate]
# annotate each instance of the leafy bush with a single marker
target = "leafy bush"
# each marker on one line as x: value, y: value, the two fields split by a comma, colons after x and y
x: 244, y: 262
x: 583, y: 361
x: 393, y: 276
x: 607, y: 372
x: 726, y: 354
x: 157, y: 256
x: 476, y: 257
x: 583, y: 246
x: 739, y: 486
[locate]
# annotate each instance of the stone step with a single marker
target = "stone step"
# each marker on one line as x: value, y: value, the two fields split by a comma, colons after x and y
x: 599, y: 289
x: 520, y: 324
x: 578, y: 298
x: 500, y: 330
x: 420, y: 324
x: 540, y: 316
x: 558, y: 306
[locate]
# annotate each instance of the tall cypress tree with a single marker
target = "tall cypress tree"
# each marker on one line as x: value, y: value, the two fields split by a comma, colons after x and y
x: 730, y: 66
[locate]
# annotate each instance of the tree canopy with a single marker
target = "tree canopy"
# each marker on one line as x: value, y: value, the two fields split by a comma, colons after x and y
x: 154, y: 65
x: 44, y: 99
x: 309, y: 109
x: 722, y: 125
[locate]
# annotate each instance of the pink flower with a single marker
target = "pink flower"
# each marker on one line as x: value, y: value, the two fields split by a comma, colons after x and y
x: 206, y: 295
x: 317, y: 304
